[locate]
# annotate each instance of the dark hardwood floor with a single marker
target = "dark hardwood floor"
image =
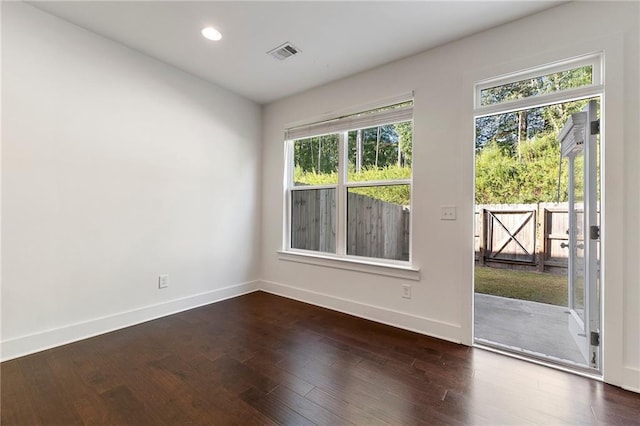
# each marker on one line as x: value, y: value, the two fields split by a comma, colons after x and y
x: 260, y: 359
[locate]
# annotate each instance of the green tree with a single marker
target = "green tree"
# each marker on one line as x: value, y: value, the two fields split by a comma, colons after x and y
x: 405, y: 143
x: 503, y: 178
x: 517, y: 153
x: 373, y: 147
x: 318, y: 153
x: 510, y: 129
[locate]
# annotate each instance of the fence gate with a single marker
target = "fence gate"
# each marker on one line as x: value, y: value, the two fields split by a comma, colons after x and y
x: 510, y: 235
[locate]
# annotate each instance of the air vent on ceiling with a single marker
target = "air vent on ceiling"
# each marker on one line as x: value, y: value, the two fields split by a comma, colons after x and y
x: 284, y: 51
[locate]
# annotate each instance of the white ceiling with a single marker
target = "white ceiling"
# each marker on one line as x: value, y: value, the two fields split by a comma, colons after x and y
x: 337, y: 39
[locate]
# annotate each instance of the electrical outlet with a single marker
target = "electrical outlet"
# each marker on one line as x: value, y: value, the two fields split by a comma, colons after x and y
x: 447, y: 212
x: 406, y: 291
x: 163, y: 281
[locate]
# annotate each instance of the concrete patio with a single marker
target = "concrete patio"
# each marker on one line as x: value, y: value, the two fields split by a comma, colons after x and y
x: 527, y: 328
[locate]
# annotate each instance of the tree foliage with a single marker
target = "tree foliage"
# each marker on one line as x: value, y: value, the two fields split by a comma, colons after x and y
x: 518, y: 153
x: 397, y: 194
x: 374, y: 154
x: 540, y: 85
x: 511, y: 128
x: 317, y: 154
x: 405, y: 142
x: 375, y: 147
x: 503, y: 178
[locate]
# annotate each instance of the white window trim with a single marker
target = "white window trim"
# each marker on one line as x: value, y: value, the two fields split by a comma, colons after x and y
x: 539, y: 101
x: 595, y: 60
x: 307, y: 187
x: 352, y: 263
x: 340, y: 259
x: 367, y: 183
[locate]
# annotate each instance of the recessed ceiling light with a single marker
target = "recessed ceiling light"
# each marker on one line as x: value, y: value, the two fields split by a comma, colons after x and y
x: 211, y: 33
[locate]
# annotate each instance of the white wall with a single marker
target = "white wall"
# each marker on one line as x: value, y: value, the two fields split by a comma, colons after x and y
x: 116, y: 168
x: 443, y: 174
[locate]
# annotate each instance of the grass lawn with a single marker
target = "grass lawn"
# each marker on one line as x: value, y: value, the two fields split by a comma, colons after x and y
x: 533, y: 286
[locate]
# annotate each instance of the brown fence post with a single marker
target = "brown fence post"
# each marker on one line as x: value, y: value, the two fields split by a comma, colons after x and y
x: 482, y: 236
x: 541, y: 236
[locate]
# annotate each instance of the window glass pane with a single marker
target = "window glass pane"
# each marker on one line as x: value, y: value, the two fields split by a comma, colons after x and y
x: 316, y: 160
x: 313, y: 220
x: 549, y: 83
x: 378, y: 220
x: 381, y: 153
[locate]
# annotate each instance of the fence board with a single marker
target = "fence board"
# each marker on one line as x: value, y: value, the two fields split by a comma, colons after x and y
x: 313, y: 221
x: 375, y: 228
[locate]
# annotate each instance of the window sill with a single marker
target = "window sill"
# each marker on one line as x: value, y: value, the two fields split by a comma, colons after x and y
x: 351, y: 264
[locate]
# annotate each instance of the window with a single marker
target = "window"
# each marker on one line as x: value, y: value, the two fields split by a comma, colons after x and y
x: 539, y: 85
x: 348, y: 185
x: 569, y: 80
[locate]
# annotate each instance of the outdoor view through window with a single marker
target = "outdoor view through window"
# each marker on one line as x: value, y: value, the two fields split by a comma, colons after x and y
x: 358, y: 177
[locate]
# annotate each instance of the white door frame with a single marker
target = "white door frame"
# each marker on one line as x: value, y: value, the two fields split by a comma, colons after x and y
x: 579, y: 137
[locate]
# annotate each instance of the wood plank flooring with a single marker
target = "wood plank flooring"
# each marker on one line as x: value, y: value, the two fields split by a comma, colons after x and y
x: 260, y: 359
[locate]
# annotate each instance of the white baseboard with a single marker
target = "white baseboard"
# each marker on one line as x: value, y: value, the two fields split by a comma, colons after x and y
x: 631, y: 379
x: 418, y: 324
x: 29, y: 344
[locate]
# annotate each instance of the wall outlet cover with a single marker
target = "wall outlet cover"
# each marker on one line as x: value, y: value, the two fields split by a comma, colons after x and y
x: 447, y: 212
x: 163, y: 281
x: 406, y: 291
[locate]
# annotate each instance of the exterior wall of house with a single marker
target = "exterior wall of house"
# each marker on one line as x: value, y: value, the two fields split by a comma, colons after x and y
x: 442, y: 80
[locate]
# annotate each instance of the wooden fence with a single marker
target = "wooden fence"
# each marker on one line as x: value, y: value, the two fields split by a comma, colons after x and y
x: 516, y: 236
x: 313, y: 220
x: 374, y: 228
x: 523, y: 236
